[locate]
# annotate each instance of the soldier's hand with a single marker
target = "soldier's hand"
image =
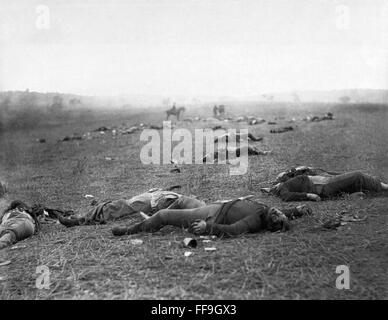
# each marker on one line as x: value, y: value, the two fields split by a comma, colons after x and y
x: 199, y: 226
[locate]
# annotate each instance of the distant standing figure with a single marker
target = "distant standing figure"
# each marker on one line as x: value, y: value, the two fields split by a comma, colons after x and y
x: 221, y: 110
x: 215, y: 111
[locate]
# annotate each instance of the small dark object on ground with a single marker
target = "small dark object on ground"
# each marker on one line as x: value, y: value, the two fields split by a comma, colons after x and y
x: 344, y: 218
x: 41, y: 140
x: 155, y: 127
x: 190, y: 242
x: 332, y: 224
x: 174, y: 187
x: 68, y: 138
x: 102, y: 129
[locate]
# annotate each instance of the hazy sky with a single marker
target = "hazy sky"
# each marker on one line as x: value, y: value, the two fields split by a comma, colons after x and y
x: 193, y: 47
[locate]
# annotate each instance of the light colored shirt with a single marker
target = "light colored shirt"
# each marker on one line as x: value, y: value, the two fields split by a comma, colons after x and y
x: 319, y: 182
x: 16, y: 214
x: 155, y: 197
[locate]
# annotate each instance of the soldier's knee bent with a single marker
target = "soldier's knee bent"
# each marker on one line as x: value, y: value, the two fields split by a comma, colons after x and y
x: 358, y: 174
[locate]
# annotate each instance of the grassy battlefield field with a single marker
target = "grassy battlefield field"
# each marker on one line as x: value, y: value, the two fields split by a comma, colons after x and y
x: 90, y: 263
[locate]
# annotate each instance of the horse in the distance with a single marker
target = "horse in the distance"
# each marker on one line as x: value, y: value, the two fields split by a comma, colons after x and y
x: 219, y: 111
x: 174, y: 111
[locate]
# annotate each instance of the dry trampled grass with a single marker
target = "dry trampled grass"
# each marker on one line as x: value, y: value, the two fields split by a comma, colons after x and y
x: 89, y: 263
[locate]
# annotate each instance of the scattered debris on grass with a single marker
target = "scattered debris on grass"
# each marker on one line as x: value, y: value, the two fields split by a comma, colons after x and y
x: 332, y: 224
x: 208, y: 237
x: 223, y: 154
x: 176, y: 168
x: 174, y: 187
x: 18, y: 247
x: 136, y: 242
x: 190, y: 242
x: 344, y: 218
x: 5, y: 263
x: 354, y: 217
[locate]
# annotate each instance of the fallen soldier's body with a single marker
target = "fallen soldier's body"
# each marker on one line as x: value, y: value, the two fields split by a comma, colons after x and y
x: 229, y: 152
x: 237, y: 136
x: 327, y: 116
x: 230, y: 218
x: 147, y: 202
x: 309, y: 187
x: 281, y: 130
x: 18, y: 222
x: 302, y: 170
x: 252, y: 120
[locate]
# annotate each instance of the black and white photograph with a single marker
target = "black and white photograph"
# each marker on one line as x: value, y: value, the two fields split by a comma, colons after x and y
x: 193, y: 150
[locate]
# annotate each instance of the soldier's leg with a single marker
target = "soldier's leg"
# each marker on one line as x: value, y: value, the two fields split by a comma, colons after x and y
x: 175, y: 217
